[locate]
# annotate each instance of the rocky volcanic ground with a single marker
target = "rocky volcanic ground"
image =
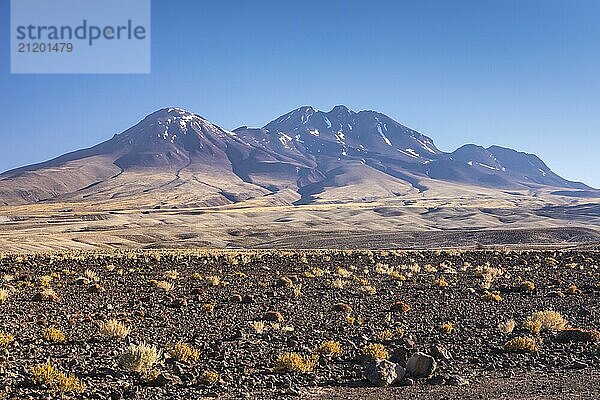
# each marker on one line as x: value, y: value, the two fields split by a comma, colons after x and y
x: 435, y: 313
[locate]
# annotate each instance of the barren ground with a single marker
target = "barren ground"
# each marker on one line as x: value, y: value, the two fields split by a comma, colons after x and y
x: 205, y: 313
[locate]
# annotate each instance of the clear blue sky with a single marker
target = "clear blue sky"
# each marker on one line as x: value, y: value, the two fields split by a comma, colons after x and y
x: 518, y: 73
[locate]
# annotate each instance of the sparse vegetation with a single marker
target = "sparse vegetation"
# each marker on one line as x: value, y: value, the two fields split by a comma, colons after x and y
x: 184, y: 353
x: 3, y: 295
x: 114, y: 329
x: 54, y: 335
x: 210, y: 378
x: 47, y: 294
x: 521, y: 344
x: 139, y: 358
x: 447, y: 327
x: 256, y: 327
x: 507, y: 327
x: 545, y: 320
x: 6, y: 339
x: 330, y: 348
x: 493, y: 297
x: 526, y: 286
x: 50, y: 376
x: 164, y: 285
x: 294, y: 362
x: 376, y: 351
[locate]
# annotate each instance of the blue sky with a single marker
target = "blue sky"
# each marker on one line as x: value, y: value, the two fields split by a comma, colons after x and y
x: 521, y: 74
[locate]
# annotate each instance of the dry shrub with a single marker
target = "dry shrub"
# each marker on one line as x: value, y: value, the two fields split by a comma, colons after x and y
x: 376, y: 351
x: 139, y: 358
x: 3, y: 295
x: 184, y: 353
x: 49, y: 375
x: 6, y: 339
x: 507, y: 326
x: 521, y: 344
x: 526, y: 286
x: 258, y: 326
x: 447, y: 327
x: 547, y: 320
x: 54, y: 335
x: 47, y: 294
x: 487, y: 275
x: 210, y: 378
x: 294, y: 362
x: 114, y: 329
x: 492, y: 297
x: 164, y: 285
x: 330, y: 348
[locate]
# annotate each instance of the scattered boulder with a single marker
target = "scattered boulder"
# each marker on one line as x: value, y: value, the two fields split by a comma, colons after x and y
x: 407, y: 382
x: 383, y: 372
x: 420, y: 365
x: 555, y: 293
x: 178, y: 303
x: 81, y: 281
x: 578, y: 365
x: 400, y: 355
x: 440, y: 353
x: 439, y: 379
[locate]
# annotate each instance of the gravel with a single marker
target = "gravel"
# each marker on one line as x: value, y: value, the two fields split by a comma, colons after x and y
x: 291, y: 295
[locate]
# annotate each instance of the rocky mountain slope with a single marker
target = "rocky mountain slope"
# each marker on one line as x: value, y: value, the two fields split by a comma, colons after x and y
x: 303, y: 156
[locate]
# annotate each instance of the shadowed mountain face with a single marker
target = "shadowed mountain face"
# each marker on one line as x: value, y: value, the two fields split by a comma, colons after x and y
x: 306, y: 152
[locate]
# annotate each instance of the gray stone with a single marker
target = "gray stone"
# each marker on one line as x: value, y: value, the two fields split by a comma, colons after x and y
x: 400, y: 356
x: 440, y: 353
x: 383, y: 372
x: 420, y: 365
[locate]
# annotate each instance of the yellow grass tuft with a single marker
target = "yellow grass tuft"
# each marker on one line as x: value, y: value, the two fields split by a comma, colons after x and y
x: 54, y: 335
x: 492, y: 297
x: 3, y: 295
x: 47, y: 374
x: 521, y: 344
x: 210, y: 378
x: 441, y: 282
x: 6, y: 339
x: 184, y: 353
x: 164, y: 285
x: 294, y: 362
x: 376, y: 351
x: 330, y: 348
x: 507, y: 326
x: 526, y: 286
x: 447, y: 327
x: 547, y: 320
x: 114, y: 329
x: 139, y: 358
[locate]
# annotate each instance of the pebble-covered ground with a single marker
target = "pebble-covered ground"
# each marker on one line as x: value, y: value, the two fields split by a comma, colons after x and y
x: 242, y: 310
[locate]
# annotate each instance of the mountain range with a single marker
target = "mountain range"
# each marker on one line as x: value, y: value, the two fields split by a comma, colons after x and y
x: 176, y: 158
